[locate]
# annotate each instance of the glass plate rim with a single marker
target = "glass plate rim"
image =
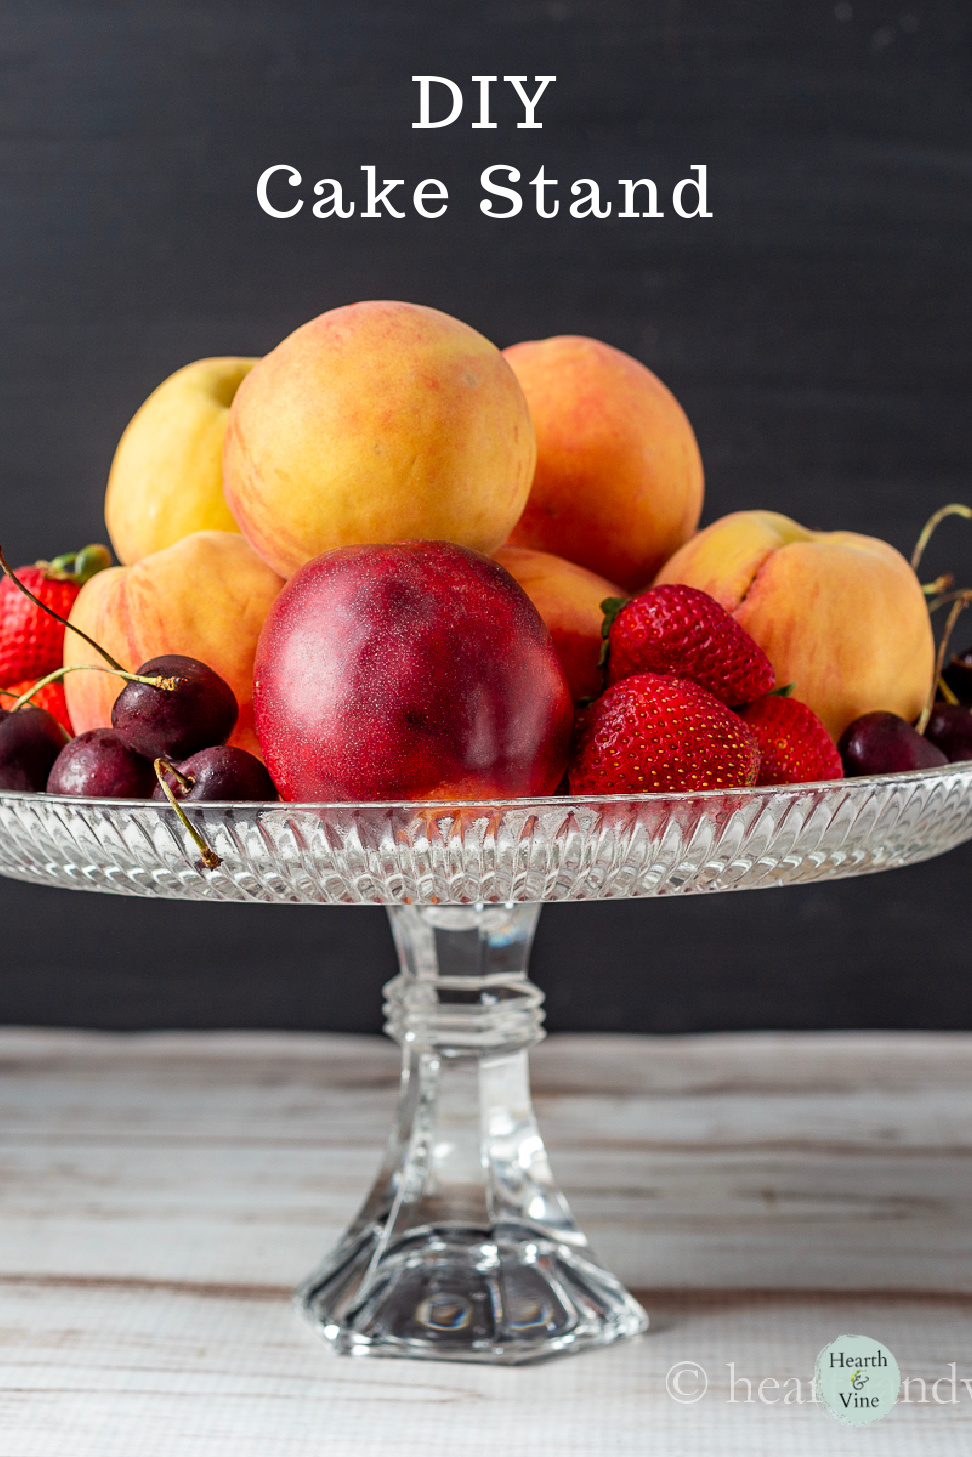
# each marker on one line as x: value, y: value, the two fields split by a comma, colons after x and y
x: 938, y: 772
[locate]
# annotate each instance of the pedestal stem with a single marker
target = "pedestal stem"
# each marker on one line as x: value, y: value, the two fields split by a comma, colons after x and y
x: 465, y: 1249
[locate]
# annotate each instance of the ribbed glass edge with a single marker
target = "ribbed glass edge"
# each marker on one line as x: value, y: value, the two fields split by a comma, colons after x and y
x: 944, y: 775
x: 556, y: 848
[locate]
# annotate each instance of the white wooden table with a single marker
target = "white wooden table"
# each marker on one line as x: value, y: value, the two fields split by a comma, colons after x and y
x: 160, y: 1195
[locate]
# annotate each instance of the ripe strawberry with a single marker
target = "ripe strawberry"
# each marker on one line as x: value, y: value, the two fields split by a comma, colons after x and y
x: 794, y: 746
x: 31, y: 642
x: 52, y: 698
x: 655, y: 734
x: 681, y: 630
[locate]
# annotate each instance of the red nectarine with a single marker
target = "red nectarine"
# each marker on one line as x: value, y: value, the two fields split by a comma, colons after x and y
x: 416, y: 670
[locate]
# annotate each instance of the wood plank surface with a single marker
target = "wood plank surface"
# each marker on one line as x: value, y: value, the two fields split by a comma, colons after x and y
x: 160, y: 1194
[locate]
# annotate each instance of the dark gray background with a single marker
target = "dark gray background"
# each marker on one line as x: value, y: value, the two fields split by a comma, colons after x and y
x: 817, y: 330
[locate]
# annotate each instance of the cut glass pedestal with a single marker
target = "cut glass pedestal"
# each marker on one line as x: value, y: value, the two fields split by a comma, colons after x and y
x: 465, y: 1249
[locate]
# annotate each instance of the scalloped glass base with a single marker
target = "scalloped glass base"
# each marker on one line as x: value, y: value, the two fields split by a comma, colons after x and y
x: 501, y: 1296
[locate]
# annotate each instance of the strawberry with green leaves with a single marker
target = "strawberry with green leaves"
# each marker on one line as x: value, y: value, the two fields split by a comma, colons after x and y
x: 656, y: 734
x: 32, y: 642
x: 681, y: 630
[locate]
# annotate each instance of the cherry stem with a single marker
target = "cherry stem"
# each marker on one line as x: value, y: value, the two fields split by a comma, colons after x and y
x: 24, y: 700
x: 4, y: 565
x: 961, y: 601
x: 168, y: 684
x: 940, y: 584
x: 956, y: 509
x: 185, y: 781
x: 162, y: 766
x: 943, y: 601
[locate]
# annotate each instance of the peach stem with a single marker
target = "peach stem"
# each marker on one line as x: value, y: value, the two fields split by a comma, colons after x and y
x: 77, y: 566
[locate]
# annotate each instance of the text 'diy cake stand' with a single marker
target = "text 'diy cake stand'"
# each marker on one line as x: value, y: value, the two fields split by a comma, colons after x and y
x: 465, y: 1249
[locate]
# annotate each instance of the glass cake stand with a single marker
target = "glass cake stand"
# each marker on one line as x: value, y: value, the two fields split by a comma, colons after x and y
x: 465, y: 1249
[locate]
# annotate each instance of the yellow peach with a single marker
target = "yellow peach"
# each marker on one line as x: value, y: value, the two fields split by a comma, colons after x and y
x: 166, y: 478
x: 206, y: 597
x: 618, y: 484
x: 568, y: 598
x: 840, y: 616
x: 377, y: 422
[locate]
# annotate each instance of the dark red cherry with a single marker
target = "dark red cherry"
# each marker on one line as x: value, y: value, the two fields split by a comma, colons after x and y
x: 950, y: 729
x: 30, y: 741
x: 958, y: 676
x: 173, y: 723
x: 883, y: 743
x: 99, y: 765
x: 222, y: 772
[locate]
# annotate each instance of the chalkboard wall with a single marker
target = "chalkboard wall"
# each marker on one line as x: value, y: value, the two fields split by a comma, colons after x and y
x: 816, y: 328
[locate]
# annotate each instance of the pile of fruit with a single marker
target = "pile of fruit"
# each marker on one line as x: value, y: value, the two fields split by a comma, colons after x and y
x: 390, y: 562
